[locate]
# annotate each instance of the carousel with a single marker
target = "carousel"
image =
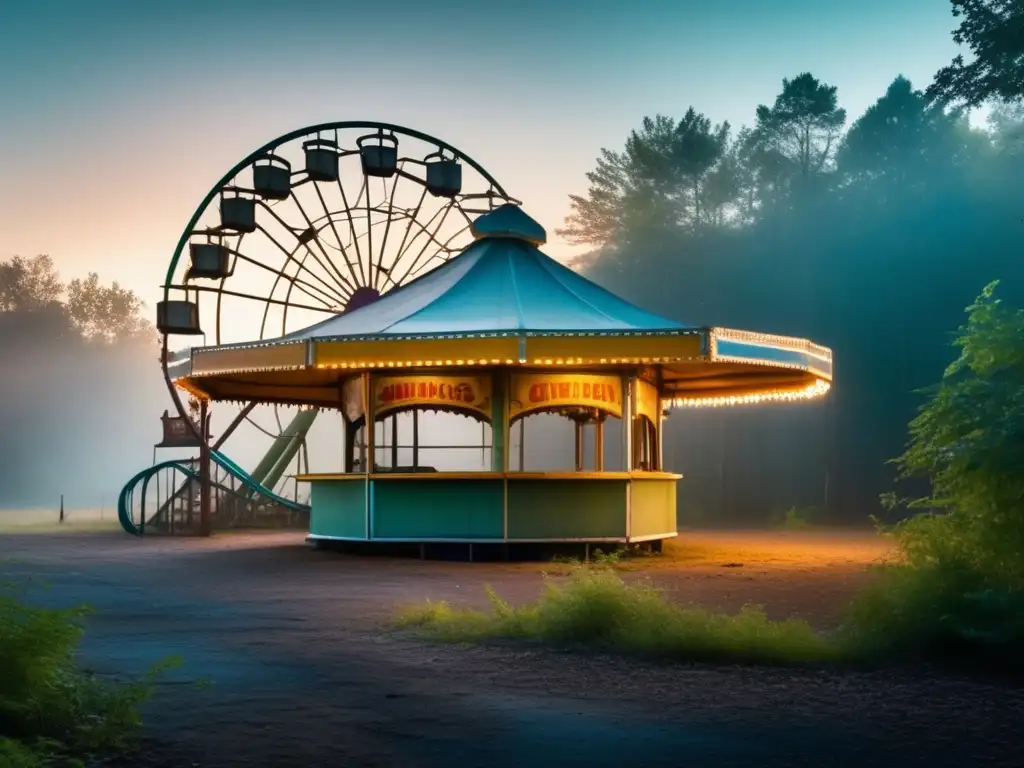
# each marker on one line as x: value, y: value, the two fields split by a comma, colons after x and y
x: 491, y: 330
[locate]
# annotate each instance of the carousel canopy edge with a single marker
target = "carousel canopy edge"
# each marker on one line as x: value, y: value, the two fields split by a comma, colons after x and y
x: 712, y: 345
x: 727, y: 344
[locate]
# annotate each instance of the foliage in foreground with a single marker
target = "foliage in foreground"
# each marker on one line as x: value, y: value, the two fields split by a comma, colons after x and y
x: 50, y: 708
x: 959, y: 588
x: 598, y: 609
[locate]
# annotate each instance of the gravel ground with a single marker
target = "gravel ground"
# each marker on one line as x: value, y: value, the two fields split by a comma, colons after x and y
x: 307, y: 672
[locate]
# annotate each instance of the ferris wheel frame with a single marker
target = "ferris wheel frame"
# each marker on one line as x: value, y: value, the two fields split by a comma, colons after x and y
x: 383, y: 129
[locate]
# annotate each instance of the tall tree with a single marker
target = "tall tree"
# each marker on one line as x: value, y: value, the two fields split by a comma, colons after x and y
x: 28, y: 284
x: 796, y: 136
x: 901, y: 137
x: 654, y: 187
x: 994, y: 32
x: 106, y: 313
x: 696, y: 149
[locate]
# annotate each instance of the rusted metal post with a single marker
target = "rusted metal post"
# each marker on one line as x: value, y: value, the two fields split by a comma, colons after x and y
x: 205, y: 516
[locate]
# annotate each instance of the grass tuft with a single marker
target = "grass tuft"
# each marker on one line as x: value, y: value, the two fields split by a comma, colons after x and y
x: 596, y: 608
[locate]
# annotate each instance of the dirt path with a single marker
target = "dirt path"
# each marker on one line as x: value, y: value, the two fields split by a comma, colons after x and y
x: 307, y: 673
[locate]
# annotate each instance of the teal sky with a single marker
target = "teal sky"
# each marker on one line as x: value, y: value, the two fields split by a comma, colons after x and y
x: 116, y: 117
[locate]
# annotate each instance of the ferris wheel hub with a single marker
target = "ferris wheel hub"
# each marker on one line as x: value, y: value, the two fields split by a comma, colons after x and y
x: 361, y: 297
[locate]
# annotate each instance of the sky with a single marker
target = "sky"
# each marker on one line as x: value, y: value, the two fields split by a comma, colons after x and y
x: 117, y: 117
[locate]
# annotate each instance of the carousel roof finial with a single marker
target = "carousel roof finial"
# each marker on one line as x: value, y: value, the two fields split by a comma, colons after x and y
x: 509, y: 221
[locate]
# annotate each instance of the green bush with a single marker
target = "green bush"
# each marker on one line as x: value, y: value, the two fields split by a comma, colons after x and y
x: 14, y: 754
x: 959, y: 585
x: 49, y: 706
x: 598, y: 609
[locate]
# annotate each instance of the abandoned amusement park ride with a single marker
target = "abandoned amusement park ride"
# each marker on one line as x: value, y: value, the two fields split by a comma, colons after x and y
x: 373, y: 271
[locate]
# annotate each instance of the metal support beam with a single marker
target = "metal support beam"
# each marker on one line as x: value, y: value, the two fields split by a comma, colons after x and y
x: 628, y: 421
x: 579, y: 446
x: 394, y: 441
x: 416, y: 438
x: 231, y: 427
x: 205, y: 485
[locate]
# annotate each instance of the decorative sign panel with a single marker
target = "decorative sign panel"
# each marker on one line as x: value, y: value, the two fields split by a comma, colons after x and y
x: 464, y: 393
x: 177, y: 433
x: 550, y: 391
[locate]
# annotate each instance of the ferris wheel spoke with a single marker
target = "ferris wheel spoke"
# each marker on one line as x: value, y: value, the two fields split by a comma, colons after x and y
x: 306, y: 239
x: 303, y: 240
x: 445, y: 249
x: 333, y: 292
x: 287, y: 299
x: 337, y: 235
x: 314, y: 292
x: 381, y: 270
x: 431, y: 238
x: 351, y: 226
x: 241, y: 295
x: 411, y: 220
x: 364, y: 191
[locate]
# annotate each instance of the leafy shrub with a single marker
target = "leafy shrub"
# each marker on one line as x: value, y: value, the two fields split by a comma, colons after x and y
x: 959, y: 585
x: 14, y: 754
x: 48, y: 704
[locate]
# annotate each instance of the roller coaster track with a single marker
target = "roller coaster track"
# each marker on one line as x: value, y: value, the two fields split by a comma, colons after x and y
x: 249, y: 492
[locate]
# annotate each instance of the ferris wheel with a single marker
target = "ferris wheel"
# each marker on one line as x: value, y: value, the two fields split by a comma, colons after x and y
x: 316, y: 223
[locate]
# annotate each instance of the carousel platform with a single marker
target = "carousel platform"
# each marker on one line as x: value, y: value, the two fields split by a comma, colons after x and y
x: 493, y: 507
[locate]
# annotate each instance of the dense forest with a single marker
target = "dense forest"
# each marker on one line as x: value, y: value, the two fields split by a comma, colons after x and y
x: 869, y: 235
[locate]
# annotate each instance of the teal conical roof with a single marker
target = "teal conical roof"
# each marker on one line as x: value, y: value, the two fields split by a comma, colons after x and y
x: 501, y: 283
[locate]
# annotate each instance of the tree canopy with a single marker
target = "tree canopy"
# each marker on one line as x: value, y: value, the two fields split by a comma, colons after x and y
x: 993, y: 30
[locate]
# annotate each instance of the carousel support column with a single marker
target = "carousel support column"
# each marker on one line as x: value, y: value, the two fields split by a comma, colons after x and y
x: 350, y: 444
x: 370, y: 429
x: 599, y: 446
x: 628, y: 398
x: 579, y: 446
x: 416, y: 438
x: 660, y: 437
x: 205, y: 516
x: 501, y: 385
x: 394, y: 441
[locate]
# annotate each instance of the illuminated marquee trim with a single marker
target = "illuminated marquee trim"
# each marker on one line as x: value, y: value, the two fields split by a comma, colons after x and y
x: 811, y: 391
